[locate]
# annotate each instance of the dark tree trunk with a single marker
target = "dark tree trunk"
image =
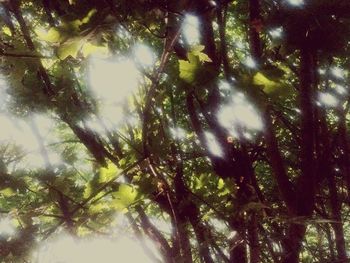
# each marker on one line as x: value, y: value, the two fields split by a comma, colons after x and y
x: 305, y: 188
x: 306, y: 181
x: 284, y: 185
x: 202, y: 234
x: 292, y: 244
x: 221, y: 18
x: 254, y: 28
x: 330, y: 242
x: 47, y: 9
x: 238, y: 252
x: 253, y: 238
x: 326, y: 172
x: 153, y: 233
x: 344, y: 145
x: 16, y: 10
x: 336, y: 215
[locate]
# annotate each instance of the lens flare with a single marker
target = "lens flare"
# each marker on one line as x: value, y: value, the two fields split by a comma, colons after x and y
x: 213, y: 145
x: 144, y: 56
x: 327, y: 99
x: 190, y: 29
x: 239, y: 117
x: 113, y: 79
x: 7, y: 227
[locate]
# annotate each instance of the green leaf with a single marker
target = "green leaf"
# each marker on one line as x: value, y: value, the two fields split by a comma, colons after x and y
x: 197, y: 51
x: 87, y: 18
x: 75, y: 24
x: 98, y: 208
x: 124, y: 197
x: 7, y: 192
x: 89, y: 49
x: 88, y: 190
x: 70, y: 48
x: 273, y: 88
x: 261, y: 79
x: 106, y: 174
x: 188, y: 68
x: 52, y: 36
x: 222, y: 187
x: 221, y: 184
x: 7, y: 31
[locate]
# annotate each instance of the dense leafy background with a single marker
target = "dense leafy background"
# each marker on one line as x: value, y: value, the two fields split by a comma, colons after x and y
x: 215, y: 131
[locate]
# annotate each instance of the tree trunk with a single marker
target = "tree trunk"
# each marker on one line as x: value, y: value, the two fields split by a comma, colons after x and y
x: 305, y: 188
x: 293, y: 242
x: 253, y: 237
x: 238, y: 252
x: 326, y: 171
x: 306, y: 180
x: 336, y: 215
x: 254, y: 27
x: 330, y: 242
x: 345, y: 158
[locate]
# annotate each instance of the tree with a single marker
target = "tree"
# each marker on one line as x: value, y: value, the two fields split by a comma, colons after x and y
x: 225, y: 120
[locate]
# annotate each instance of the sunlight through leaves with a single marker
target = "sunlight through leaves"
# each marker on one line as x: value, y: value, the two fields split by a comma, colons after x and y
x: 190, y: 29
x: 239, y: 116
x: 213, y: 145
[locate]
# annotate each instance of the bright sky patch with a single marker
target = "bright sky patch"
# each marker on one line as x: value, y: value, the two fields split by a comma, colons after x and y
x: 239, y: 116
x: 67, y: 249
x: 213, y: 145
x: 327, y: 99
x: 144, y: 55
x: 190, y: 29
x: 7, y: 227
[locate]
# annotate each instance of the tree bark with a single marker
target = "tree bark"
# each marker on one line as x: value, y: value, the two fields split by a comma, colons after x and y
x: 293, y: 242
x: 327, y: 172
x: 254, y: 27
x: 345, y: 158
x: 253, y: 237
x: 221, y: 18
x: 305, y: 187
x: 336, y: 215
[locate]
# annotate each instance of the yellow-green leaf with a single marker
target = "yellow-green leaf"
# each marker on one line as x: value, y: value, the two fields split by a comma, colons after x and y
x: 89, y: 49
x: 261, y: 79
x: 87, y: 18
x: 70, y: 48
x: 188, y: 68
x: 48, y: 63
x: 7, y: 31
x: 83, y: 231
x: 197, y: 48
x: 52, y: 36
x: 197, y: 51
x: 124, y: 197
x: 75, y: 24
x: 88, y: 190
x: 106, y: 174
x: 221, y: 184
x: 187, y: 71
x: 7, y: 192
x: 98, y: 207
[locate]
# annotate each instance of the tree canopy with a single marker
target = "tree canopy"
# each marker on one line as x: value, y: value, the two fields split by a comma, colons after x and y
x: 207, y: 131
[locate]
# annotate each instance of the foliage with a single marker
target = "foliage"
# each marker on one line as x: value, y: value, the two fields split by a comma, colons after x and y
x: 238, y: 140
